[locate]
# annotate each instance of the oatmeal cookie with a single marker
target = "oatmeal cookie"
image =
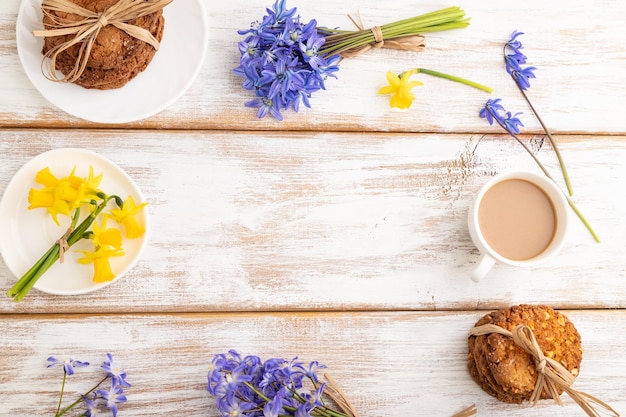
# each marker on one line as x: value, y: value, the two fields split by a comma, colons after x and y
x: 508, y: 370
x: 116, y: 57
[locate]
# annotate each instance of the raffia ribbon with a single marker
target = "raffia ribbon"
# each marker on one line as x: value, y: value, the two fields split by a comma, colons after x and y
x: 551, y: 375
x: 63, y: 245
x: 414, y: 43
x: 468, y: 412
x: 86, y: 30
x: 335, y: 393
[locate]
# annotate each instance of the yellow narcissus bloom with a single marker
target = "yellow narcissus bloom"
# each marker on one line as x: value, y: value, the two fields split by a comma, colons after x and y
x: 74, y: 193
x: 48, y: 198
x: 400, y: 87
x: 88, y: 187
x: 101, y: 266
x: 72, y: 189
x: 126, y: 216
x: 106, y: 238
x: 46, y: 178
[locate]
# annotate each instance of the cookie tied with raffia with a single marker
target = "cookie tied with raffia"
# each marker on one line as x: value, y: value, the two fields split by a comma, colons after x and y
x: 100, y: 44
x: 528, y: 353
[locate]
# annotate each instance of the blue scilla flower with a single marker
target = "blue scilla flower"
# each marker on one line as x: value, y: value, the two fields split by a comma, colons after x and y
x: 512, y: 123
x: 117, y: 375
x: 513, y: 43
x: 281, y: 63
x: 230, y: 405
x: 112, y: 397
x: 276, y: 387
x: 494, y: 111
x: 266, y: 105
x: 68, y: 364
x: 523, y: 76
x: 514, y: 61
x: 279, y: 12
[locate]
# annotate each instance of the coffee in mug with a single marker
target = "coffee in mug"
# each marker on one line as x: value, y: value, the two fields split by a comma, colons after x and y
x: 518, y: 218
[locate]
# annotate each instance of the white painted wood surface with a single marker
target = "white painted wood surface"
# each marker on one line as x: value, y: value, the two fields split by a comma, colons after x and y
x: 388, y: 363
x: 320, y: 221
x: 338, y: 235
x: 577, y: 48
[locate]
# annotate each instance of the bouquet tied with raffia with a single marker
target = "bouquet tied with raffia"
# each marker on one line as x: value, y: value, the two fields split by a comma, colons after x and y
x: 283, y: 59
x: 247, y: 386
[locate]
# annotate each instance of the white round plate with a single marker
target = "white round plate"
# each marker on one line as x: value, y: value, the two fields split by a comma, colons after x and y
x: 171, y: 72
x: 28, y: 234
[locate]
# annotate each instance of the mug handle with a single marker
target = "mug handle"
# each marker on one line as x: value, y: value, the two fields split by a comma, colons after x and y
x: 485, y: 263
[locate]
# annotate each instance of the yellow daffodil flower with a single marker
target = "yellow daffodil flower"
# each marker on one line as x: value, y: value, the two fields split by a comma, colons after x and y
x: 66, y: 192
x: 46, y: 178
x: 70, y: 193
x: 46, y: 198
x: 88, y: 187
x: 106, y: 238
x: 400, y: 87
x: 101, y: 264
x: 126, y: 216
x: 72, y: 189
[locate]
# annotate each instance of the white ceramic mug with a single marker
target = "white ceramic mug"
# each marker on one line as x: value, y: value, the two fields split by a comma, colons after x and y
x: 489, y: 256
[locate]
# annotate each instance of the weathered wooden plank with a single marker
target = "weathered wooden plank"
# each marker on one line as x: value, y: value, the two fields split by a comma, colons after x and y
x: 274, y: 221
x: 576, y: 46
x: 388, y: 364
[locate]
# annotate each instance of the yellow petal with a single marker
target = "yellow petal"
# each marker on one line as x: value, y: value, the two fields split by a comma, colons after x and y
x: 102, y: 266
x: 132, y: 227
x: 40, y: 198
x: 111, y: 238
x: 46, y: 178
x: 127, y: 217
x: 414, y: 84
x: 393, y: 79
x: 102, y: 270
x: 388, y: 89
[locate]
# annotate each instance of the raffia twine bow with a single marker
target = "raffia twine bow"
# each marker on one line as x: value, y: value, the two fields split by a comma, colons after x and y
x: 86, y: 30
x: 416, y: 43
x: 551, y: 375
x: 63, y: 245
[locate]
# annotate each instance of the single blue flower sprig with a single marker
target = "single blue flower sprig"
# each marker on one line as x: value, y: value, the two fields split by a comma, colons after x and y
x: 514, y: 60
x: 494, y: 111
x: 96, y: 399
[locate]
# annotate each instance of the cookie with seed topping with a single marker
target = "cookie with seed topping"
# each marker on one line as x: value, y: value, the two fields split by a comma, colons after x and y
x: 479, y: 368
x: 508, y: 370
x: 116, y: 57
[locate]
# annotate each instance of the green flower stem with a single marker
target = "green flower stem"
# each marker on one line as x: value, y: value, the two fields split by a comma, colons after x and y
x: 547, y: 173
x: 72, y: 405
x: 456, y: 79
x: 18, y: 291
x: 31, y: 276
x: 552, y: 142
x: 318, y: 411
x: 339, y: 41
x: 61, y: 394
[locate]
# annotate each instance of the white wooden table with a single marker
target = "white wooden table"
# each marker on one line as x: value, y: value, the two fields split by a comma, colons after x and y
x: 339, y: 234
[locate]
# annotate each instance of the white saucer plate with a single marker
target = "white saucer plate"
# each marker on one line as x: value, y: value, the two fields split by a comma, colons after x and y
x: 172, y: 71
x: 28, y: 234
